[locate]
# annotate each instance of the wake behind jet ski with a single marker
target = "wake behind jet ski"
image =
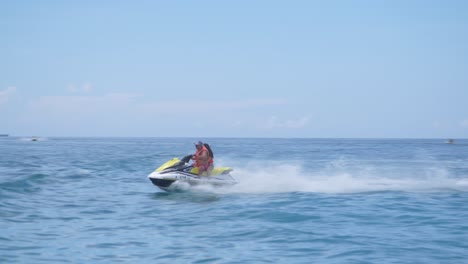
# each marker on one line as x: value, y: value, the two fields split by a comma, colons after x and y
x: 179, y: 172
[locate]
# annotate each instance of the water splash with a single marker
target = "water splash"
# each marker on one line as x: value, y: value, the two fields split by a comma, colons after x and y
x: 256, y: 178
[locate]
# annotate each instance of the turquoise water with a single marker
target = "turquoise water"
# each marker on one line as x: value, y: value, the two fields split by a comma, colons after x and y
x: 88, y: 200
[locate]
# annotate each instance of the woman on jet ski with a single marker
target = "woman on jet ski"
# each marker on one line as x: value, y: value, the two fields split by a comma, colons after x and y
x: 203, y: 158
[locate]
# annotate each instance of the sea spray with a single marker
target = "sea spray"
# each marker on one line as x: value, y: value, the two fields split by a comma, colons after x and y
x: 258, y: 178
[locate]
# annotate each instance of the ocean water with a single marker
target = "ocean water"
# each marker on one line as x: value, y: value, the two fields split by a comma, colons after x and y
x: 88, y: 200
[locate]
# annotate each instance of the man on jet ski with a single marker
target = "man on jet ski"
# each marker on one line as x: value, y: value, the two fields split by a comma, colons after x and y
x: 203, y: 158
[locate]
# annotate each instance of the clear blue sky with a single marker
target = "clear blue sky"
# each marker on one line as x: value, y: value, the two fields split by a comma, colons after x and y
x: 387, y: 69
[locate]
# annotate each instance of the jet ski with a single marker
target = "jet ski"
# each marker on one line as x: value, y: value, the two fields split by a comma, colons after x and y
x: 178, y: 172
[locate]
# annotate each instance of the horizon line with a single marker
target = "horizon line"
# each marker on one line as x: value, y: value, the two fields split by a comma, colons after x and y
x: 230, y: 137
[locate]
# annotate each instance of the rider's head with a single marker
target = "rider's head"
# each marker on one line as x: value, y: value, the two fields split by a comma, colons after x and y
x: 199, y: 144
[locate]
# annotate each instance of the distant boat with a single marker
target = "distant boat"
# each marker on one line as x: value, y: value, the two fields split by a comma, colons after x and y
x: 34, y: 139
x: 449, y: 141
x: 3, y: 135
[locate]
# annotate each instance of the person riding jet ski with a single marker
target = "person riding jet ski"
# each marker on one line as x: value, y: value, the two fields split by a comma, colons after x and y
x: 178, y: 173
x: 203, y: 158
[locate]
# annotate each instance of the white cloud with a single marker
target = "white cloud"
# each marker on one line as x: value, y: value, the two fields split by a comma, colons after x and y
x: 71, y: 88
x: 86, y: 87
x: 237, y: 123
x: 133, y: 104
x: 138, y: 104
x: 464, y: 123
x: 208, y: 106
x: 135, y: 114
x: 76, y: 104
x: 274, y: 122
x: 6, y: 94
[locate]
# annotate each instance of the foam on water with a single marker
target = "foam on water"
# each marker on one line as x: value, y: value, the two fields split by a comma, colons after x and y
x: 257, y: 178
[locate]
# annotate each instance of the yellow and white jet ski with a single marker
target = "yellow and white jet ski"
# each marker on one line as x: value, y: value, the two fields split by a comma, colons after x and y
x: 179, y: 172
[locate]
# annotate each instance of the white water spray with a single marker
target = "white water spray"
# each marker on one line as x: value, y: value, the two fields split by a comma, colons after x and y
x: 274, y: 178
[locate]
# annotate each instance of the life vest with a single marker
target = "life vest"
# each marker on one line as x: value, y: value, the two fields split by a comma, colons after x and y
x: 198, y: 154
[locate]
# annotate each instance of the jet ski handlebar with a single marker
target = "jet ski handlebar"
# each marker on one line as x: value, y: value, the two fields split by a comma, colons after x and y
x: 186, y: 158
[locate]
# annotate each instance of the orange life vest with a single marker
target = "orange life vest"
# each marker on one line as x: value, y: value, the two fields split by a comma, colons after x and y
x: 198, y: 162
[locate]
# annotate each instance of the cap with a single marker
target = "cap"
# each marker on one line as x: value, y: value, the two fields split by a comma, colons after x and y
x: 198, y: 143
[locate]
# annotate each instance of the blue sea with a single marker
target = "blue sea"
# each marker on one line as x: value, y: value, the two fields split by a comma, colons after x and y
x: 88, y: 200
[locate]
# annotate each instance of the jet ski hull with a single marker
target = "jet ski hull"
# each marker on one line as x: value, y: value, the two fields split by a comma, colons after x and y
x: 166, y: 181
x: 177, y: 171
x: 162, y: 183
